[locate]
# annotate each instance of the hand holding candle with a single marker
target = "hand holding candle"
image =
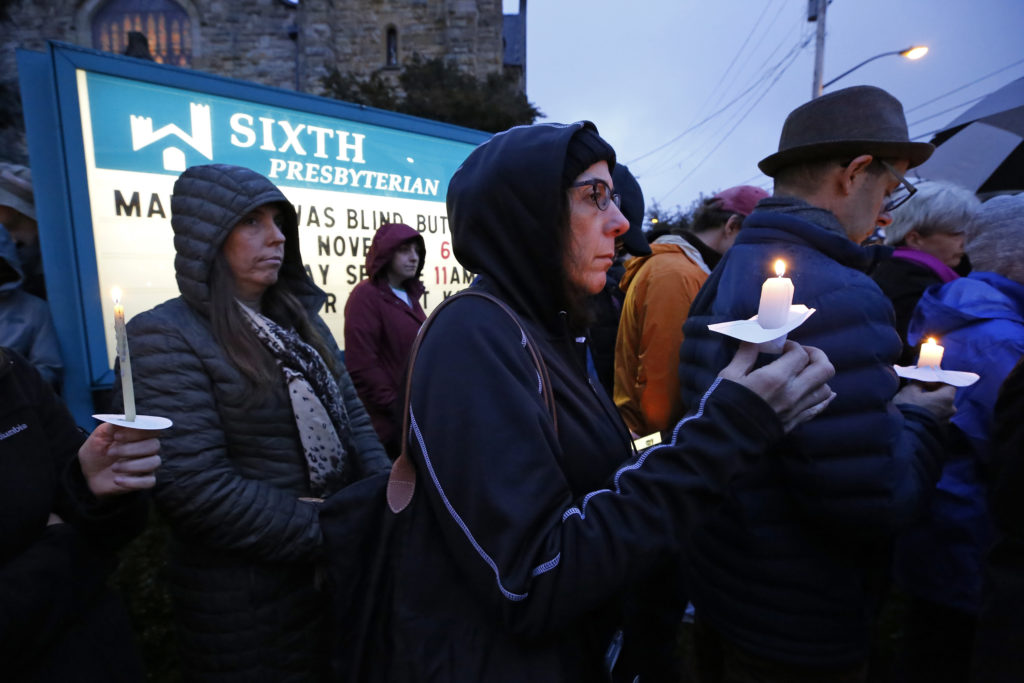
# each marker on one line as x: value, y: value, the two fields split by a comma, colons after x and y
x: 776, y: 298
x: 121, y: 335
x: 931, y: 354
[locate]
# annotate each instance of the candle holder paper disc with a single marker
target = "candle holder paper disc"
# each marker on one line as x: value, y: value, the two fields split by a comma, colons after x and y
x: 751, y: 331
x: 146, y: 422
x: 956, y: 378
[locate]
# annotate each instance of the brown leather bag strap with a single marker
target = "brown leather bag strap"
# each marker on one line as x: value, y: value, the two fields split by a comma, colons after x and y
x: 402, y: 480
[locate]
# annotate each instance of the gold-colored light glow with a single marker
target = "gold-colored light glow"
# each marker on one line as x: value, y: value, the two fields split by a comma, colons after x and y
x: 915, y: 52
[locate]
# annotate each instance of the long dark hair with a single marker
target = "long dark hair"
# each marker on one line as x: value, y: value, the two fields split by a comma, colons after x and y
x: 235, y: 335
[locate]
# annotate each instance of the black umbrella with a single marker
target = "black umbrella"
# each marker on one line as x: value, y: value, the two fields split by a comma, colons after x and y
x: 983, y: 149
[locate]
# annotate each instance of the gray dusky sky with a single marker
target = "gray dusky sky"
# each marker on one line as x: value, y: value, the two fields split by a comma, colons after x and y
x: 645, y: 71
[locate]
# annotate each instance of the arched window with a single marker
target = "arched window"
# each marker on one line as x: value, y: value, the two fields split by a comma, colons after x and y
x: 391, y: 58
x: 164, y: 23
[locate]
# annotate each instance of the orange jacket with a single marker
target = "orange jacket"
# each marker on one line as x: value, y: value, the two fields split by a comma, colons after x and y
x: 659, y: 290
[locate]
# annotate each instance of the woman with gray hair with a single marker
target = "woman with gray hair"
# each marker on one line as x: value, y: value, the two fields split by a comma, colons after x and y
x: 928, y: 233
x: 979, y: 319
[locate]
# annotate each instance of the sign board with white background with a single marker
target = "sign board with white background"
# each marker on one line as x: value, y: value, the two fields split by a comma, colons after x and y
x: 109, y: 135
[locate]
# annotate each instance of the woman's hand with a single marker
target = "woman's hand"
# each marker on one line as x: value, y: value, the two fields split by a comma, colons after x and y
x: 794, y: 384
x: 117, y: 460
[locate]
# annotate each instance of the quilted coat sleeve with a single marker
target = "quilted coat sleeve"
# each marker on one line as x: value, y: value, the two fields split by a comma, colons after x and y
x: 864, y: 466
x: 202, y: 492
x: 537, y: 556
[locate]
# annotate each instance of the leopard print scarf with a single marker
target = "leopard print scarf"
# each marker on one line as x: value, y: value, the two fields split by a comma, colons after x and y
x: 320, y: 414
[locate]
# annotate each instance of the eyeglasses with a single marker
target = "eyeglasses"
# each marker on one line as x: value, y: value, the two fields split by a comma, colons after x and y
x: 600, y: 192
x: 901, y: 194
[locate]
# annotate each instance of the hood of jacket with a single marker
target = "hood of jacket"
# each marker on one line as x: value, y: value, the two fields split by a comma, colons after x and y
x: 385, y: 243
x: 681, y: 247
x: 9, y: 254
x: 207, y: 203
x: 966, y: 301
x: 506, y: 204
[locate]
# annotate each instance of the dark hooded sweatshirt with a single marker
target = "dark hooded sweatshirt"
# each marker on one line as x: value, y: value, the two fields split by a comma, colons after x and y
x: 523, y: 536
x: 380, y: 329
x: 242, y: 564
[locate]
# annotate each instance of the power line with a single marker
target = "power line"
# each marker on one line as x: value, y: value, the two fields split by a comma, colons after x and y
x: 766, y: 74
x: 709, y: 117
x: 758, y: 81
x: 721, y: 91
x: 765, y: 30
x: 966, y: 85
x: 745, y: 115
x: 737, y: 54
x: 953, y: 108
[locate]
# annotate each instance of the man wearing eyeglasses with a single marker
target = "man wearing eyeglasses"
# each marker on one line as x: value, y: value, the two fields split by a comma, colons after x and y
x: 787, y: 576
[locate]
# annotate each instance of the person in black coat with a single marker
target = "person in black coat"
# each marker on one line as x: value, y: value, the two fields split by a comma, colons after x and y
x: 67, y: 502
x: 529, y: 527
x: 267, y: 423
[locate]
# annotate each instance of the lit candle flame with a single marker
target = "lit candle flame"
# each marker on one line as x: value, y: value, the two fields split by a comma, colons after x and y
x: 116, y: 294
x: 931, y: 340
x: 780, y: 267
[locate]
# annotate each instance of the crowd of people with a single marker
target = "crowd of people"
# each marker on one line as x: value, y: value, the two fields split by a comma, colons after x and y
x: 791, y: 488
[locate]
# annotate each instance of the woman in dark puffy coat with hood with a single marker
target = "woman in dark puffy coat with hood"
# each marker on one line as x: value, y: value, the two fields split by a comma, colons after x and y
x: 527, y: 530
x: 382, y: 316
x: 266, y: 422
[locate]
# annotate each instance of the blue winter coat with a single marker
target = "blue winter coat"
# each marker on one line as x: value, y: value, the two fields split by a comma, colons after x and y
x: 787, y: 569
x: 980, y: 322
x: 25, y: 322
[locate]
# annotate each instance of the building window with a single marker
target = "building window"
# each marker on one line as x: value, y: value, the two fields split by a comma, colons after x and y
x: 164, y: 23
x: 392, y: 53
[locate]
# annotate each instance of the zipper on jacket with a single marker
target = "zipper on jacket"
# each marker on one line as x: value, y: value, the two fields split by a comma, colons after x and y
x: 569, y: 340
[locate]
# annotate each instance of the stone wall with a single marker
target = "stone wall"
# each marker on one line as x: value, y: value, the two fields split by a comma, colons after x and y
x: 267, y: 42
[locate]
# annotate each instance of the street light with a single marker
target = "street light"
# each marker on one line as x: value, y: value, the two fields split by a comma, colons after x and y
x: 912, y: 52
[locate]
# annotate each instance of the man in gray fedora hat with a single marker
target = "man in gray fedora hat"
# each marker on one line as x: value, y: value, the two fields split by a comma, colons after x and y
x: 787, y: 575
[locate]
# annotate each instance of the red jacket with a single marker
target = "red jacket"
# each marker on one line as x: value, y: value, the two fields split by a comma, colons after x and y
x: 379, y: 332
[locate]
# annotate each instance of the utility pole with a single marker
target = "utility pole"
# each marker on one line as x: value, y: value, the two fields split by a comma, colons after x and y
x: 816, y: 13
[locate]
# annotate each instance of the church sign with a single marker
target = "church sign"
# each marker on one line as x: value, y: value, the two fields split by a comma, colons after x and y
x: 108, y: 136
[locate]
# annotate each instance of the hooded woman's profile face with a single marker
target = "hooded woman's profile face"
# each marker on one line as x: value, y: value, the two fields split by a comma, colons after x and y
x: 254, y: 250
x: 592, y: 229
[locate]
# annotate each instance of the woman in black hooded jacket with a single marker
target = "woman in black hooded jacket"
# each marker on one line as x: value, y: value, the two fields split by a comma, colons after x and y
x: 523, y: 536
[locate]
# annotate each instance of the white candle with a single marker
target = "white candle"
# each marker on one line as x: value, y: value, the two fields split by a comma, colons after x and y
x: 121, y: 334
x: 931, y: 354
x: 776, y: 298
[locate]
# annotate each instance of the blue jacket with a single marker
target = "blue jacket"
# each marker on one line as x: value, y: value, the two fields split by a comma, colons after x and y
x: 980, y: 322
x: 25, y: 323
x: 788, y: 569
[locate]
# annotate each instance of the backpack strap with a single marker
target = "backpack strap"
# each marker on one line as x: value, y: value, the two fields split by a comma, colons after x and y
x: 402, y: 480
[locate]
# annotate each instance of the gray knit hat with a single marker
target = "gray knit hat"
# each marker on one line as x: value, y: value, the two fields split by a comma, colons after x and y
x: 995, y: 239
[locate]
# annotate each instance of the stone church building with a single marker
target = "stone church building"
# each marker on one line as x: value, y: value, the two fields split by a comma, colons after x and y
x: 283, y: 43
